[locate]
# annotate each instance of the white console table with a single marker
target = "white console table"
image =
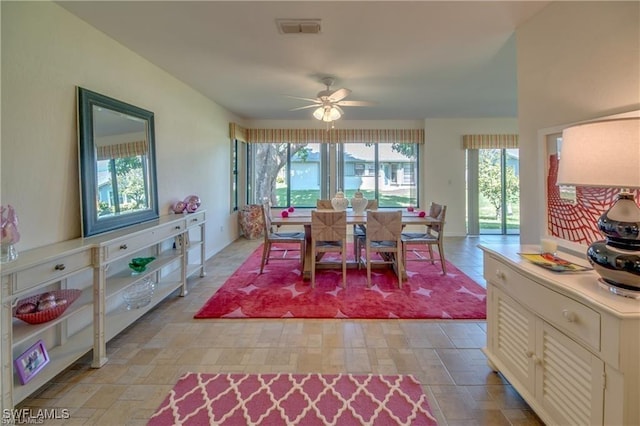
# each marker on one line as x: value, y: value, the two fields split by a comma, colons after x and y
x: 99, y: 267
x: 569, y: 347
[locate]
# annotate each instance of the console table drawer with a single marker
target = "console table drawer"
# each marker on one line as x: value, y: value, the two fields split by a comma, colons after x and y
x: 129, y: 245
x: 561, y: 311
x: 194, y: 219
x: 52, y: 270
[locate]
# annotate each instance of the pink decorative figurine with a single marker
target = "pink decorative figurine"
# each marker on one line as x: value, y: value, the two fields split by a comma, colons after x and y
x: 192, y: 203
x: 179, y: 207
x: 9, y: 234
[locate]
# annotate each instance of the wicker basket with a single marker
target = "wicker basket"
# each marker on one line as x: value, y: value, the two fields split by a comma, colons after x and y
x: 48, y: 314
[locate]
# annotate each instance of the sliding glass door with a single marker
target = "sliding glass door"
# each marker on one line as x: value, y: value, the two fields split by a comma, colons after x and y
x: 493, y: 191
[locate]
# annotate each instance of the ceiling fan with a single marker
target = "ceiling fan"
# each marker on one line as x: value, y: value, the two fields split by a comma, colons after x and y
x: 328, y: 103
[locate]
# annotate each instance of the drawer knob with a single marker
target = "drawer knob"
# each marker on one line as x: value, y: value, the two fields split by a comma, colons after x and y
x: 500, y: 274
x: 568, y: 315
x: 178, y: 228
x: 123, y: 247
x: 529, y: 354
x: 195, y: 219
x: 60, y: 267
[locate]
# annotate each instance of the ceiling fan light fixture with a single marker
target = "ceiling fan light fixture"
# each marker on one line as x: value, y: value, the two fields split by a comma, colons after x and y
x: 319, y: 113
x: 334, y: 114
x: 327, y: 114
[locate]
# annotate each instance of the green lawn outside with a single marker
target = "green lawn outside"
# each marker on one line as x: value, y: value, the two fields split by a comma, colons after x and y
x: 307, y: 198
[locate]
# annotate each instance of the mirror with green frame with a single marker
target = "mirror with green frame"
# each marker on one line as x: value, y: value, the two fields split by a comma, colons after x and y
x: 117, y: 163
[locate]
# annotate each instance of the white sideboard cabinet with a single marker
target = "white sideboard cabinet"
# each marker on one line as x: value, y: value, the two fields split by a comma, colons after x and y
x: 569, y: 347
x: 98, y: 266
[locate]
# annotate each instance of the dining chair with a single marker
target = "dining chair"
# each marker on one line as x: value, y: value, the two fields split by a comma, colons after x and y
x: 359, y: 230
x: 324, y: 205
x: 271, y: 238
x: 432, y: 236
x: 383, y: 237
x: 328, y: 234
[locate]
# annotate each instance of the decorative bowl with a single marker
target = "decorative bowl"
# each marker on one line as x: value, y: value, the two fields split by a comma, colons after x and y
x: 139, y: 294
x: 139, y: 264
x: 45, y: 315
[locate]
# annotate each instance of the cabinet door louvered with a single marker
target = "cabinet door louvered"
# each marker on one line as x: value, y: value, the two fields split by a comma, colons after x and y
x: 514, y: 338
x: 570, y: 379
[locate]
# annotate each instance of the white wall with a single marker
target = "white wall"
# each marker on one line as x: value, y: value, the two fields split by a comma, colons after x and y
x: 46, y: 53
x: 444, y: 163
x: 576, y: 61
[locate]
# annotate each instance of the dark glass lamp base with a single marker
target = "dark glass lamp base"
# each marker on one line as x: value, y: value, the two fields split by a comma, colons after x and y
x: 617, y: 258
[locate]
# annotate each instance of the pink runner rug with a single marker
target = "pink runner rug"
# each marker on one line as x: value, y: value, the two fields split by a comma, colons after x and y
x: 280, y: 292
x: 294, y: 399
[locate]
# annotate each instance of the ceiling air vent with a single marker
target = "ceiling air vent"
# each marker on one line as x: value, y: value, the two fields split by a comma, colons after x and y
x: 298, y: 26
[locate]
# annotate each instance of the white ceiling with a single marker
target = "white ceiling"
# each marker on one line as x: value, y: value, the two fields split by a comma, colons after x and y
x: 416, y: 60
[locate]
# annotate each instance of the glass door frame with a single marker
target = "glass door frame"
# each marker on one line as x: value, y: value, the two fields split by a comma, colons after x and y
x: 473, y: 193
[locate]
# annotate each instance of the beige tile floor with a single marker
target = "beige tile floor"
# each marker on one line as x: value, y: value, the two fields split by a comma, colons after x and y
x: 146, y: 359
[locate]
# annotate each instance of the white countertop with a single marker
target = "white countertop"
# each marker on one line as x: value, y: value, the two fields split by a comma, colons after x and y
x: 579, y: 285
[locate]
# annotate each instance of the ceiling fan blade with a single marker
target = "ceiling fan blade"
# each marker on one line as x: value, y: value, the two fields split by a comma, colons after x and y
x: 304, y: 107
x: 314, y: 100
x: 356, y: 103
x: 339, y: 94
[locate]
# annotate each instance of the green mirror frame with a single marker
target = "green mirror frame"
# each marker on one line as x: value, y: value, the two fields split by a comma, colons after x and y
x: 103, y: 118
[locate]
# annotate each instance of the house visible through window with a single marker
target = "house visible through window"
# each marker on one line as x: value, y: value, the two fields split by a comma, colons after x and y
x: 381, y: 171
x: 296, y: 174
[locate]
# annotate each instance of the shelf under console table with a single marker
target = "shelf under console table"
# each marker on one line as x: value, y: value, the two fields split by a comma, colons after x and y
x: 569, y: 347
x: 98, y: 267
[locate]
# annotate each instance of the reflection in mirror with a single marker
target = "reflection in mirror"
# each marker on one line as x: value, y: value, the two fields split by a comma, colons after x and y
x: 121, y: 151
x: 117, y: 163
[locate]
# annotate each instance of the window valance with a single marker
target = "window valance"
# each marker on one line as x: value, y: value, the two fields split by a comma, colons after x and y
x: 500, y: 141
x: 122, y: 150
x: 237, y: 132
x: 303, y: 136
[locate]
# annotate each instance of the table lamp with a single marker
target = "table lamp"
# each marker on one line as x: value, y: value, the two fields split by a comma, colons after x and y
x: 607, y: 154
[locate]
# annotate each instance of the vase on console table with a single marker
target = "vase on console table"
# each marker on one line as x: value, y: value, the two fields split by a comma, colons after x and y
x: 339, y: 202
x: 359, y: 203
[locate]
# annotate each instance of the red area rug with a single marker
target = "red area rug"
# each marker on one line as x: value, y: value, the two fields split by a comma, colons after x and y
x: 280, y: 292
x: 294, y: 399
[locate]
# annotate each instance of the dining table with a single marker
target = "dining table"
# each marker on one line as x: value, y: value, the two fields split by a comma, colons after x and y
x: 303, y: 218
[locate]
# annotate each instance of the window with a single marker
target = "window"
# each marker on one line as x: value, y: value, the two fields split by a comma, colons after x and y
x: 384, y: 171
x: 122, y: 185
x: 494, y: 197
x: 234, y: 175
x: 297, y: 174
x: 286, y: 174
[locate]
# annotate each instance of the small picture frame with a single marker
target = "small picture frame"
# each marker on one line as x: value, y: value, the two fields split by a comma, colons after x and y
x: 31, y: 362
